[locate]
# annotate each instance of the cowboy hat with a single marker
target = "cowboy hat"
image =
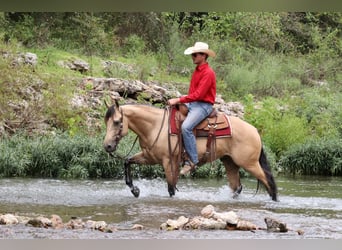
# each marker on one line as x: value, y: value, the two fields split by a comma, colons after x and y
x: 200, y: 47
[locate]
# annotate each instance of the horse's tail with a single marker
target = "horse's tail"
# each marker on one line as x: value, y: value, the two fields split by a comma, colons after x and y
x: 269, y: 177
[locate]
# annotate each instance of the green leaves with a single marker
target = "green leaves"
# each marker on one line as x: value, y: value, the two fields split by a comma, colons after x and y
x: 317, y: 157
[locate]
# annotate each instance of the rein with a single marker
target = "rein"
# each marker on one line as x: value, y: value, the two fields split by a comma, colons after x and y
x: 160, y: 129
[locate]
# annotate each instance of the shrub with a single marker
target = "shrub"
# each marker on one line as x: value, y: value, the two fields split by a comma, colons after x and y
x: 278, y: 127
x: 317, y: 157
x: 59, y: 156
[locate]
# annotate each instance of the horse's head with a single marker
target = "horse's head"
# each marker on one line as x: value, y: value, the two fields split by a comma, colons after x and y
x: 116, y: 129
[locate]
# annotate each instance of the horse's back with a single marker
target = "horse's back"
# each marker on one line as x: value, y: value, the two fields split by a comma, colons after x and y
x: 242, y: 129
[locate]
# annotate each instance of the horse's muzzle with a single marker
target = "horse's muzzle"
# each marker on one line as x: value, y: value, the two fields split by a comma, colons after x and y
x: 109, y: 147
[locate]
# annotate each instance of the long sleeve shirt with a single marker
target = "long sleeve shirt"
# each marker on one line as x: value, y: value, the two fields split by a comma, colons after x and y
x: 202, y: 85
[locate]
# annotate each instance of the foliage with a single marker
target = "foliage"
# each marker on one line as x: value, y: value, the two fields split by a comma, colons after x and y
x: 322, y: 111
x: 59, y: 156
x: 316, y: 157
x: 279, y: 128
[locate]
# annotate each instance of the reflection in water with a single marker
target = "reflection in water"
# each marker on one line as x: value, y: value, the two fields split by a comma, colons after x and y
x: 311, y: 204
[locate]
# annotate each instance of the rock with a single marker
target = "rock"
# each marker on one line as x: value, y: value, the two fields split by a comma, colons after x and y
x: 75, y: 224
x: 207, y: 211
x: 177, y: 224
x: 100, y: 225
x: 206, y: 224
x: 8, y: 219
x: 245, y: 225
x: 227, y: 217
x: 79, y: 65
x: 30, y: 58
x: 137, y: 227
x: 274, y: 225
x: 56, y: 221
x: 40, y: 222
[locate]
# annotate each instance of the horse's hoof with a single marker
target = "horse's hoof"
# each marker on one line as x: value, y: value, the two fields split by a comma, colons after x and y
x: 237, y: 192
x: 135, y: 191
x: 172, y: 190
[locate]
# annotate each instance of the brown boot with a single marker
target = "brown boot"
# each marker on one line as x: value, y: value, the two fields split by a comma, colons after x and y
x: 187, y: 168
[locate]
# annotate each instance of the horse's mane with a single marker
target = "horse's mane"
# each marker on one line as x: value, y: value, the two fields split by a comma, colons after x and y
x: 111, y: 110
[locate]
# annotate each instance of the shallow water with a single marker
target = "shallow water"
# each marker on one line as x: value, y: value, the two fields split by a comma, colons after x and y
x: 312, y: 204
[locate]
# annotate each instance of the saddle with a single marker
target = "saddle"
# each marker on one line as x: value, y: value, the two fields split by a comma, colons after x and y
x: 215, y: 125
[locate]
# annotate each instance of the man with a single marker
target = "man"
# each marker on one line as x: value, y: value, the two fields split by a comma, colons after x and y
x: 199, y: 100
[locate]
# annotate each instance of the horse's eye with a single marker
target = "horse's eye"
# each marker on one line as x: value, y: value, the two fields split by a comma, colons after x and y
x: 116, y: 123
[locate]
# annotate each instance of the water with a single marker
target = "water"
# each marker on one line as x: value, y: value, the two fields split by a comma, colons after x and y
x: 311, y: 204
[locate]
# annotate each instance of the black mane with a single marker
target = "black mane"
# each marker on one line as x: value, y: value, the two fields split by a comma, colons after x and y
x: 110, y: 112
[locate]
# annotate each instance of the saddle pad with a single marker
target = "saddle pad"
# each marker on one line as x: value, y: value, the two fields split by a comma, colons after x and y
x: 223, y: 125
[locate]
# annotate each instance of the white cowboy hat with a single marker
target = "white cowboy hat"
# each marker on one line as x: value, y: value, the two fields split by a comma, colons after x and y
x: 200, y: 47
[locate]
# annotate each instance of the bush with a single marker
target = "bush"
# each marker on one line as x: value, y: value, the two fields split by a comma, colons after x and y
x: 319, y: 157
x: 278, y: 127
x: 59, y: 156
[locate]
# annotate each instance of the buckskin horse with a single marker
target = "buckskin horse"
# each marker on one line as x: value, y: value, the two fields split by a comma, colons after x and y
x: 151, y: 125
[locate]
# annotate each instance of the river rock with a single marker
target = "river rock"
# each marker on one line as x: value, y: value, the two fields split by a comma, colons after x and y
x: 199, y: 222
x: 245, y: 225
x: 207, y: 211
x: 227, y: 217
x: 76, y: 223
x: 274, y: 225
x: 8, y: 219
x: 56, y: 221
x: 40, y: 222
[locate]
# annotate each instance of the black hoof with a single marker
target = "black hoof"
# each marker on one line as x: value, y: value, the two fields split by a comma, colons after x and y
x: 237, y: 192
x: 135, y: 191
x: 171, y: 190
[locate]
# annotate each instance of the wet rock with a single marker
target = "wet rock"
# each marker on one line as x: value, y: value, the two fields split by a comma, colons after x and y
x: 40, y: 222
x: 56, y: 221
x: 8, y: 219
x: 176, y: 224
x: 206, y: 224
x: 210, y: 220
x: 246, y: 225
x: 274, y: 225
x: 227, y: 217
x: 137, y: 227
x: 207, y: 211
x: 75, y: 224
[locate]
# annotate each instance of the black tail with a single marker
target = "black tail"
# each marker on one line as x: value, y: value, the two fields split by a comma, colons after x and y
x: 267, y: 170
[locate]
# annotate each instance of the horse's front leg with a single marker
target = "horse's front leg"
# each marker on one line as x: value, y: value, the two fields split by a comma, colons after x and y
x: 128, y: 178
x: 171, y: 170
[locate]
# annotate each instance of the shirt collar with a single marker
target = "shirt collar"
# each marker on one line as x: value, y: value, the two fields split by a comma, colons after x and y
x: 203, y: 66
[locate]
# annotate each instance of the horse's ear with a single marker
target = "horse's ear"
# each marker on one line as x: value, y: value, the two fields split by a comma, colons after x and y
x: 116, y: 103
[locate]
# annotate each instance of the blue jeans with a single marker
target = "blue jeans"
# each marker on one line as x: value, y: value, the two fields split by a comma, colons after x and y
x: 197, y: 112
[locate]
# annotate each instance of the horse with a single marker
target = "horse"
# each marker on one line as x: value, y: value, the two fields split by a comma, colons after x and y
x: 243, y: 149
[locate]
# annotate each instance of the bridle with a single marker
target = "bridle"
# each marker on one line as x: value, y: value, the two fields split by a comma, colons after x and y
x: 119, y: 136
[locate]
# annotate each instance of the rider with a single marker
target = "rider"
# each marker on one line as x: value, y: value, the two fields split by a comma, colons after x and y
x: 199, y: 100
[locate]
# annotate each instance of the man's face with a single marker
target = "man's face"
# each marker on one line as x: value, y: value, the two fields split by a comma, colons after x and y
x: 198, y: 58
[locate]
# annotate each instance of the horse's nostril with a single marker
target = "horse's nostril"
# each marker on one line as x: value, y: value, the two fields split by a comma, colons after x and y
x: 109, y: 148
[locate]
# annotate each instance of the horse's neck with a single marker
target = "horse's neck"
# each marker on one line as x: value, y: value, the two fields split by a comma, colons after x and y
x: 142, y: 120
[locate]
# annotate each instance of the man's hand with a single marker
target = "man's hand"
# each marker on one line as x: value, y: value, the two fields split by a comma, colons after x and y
x: 173, y: 101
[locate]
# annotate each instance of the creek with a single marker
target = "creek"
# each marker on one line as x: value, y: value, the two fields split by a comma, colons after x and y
x: 312, y: 204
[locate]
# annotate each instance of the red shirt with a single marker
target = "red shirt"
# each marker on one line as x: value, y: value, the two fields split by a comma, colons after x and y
x: 202, y: 85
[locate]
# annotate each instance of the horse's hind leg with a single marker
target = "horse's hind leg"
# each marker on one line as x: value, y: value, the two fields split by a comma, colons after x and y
x: 233, y: 176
